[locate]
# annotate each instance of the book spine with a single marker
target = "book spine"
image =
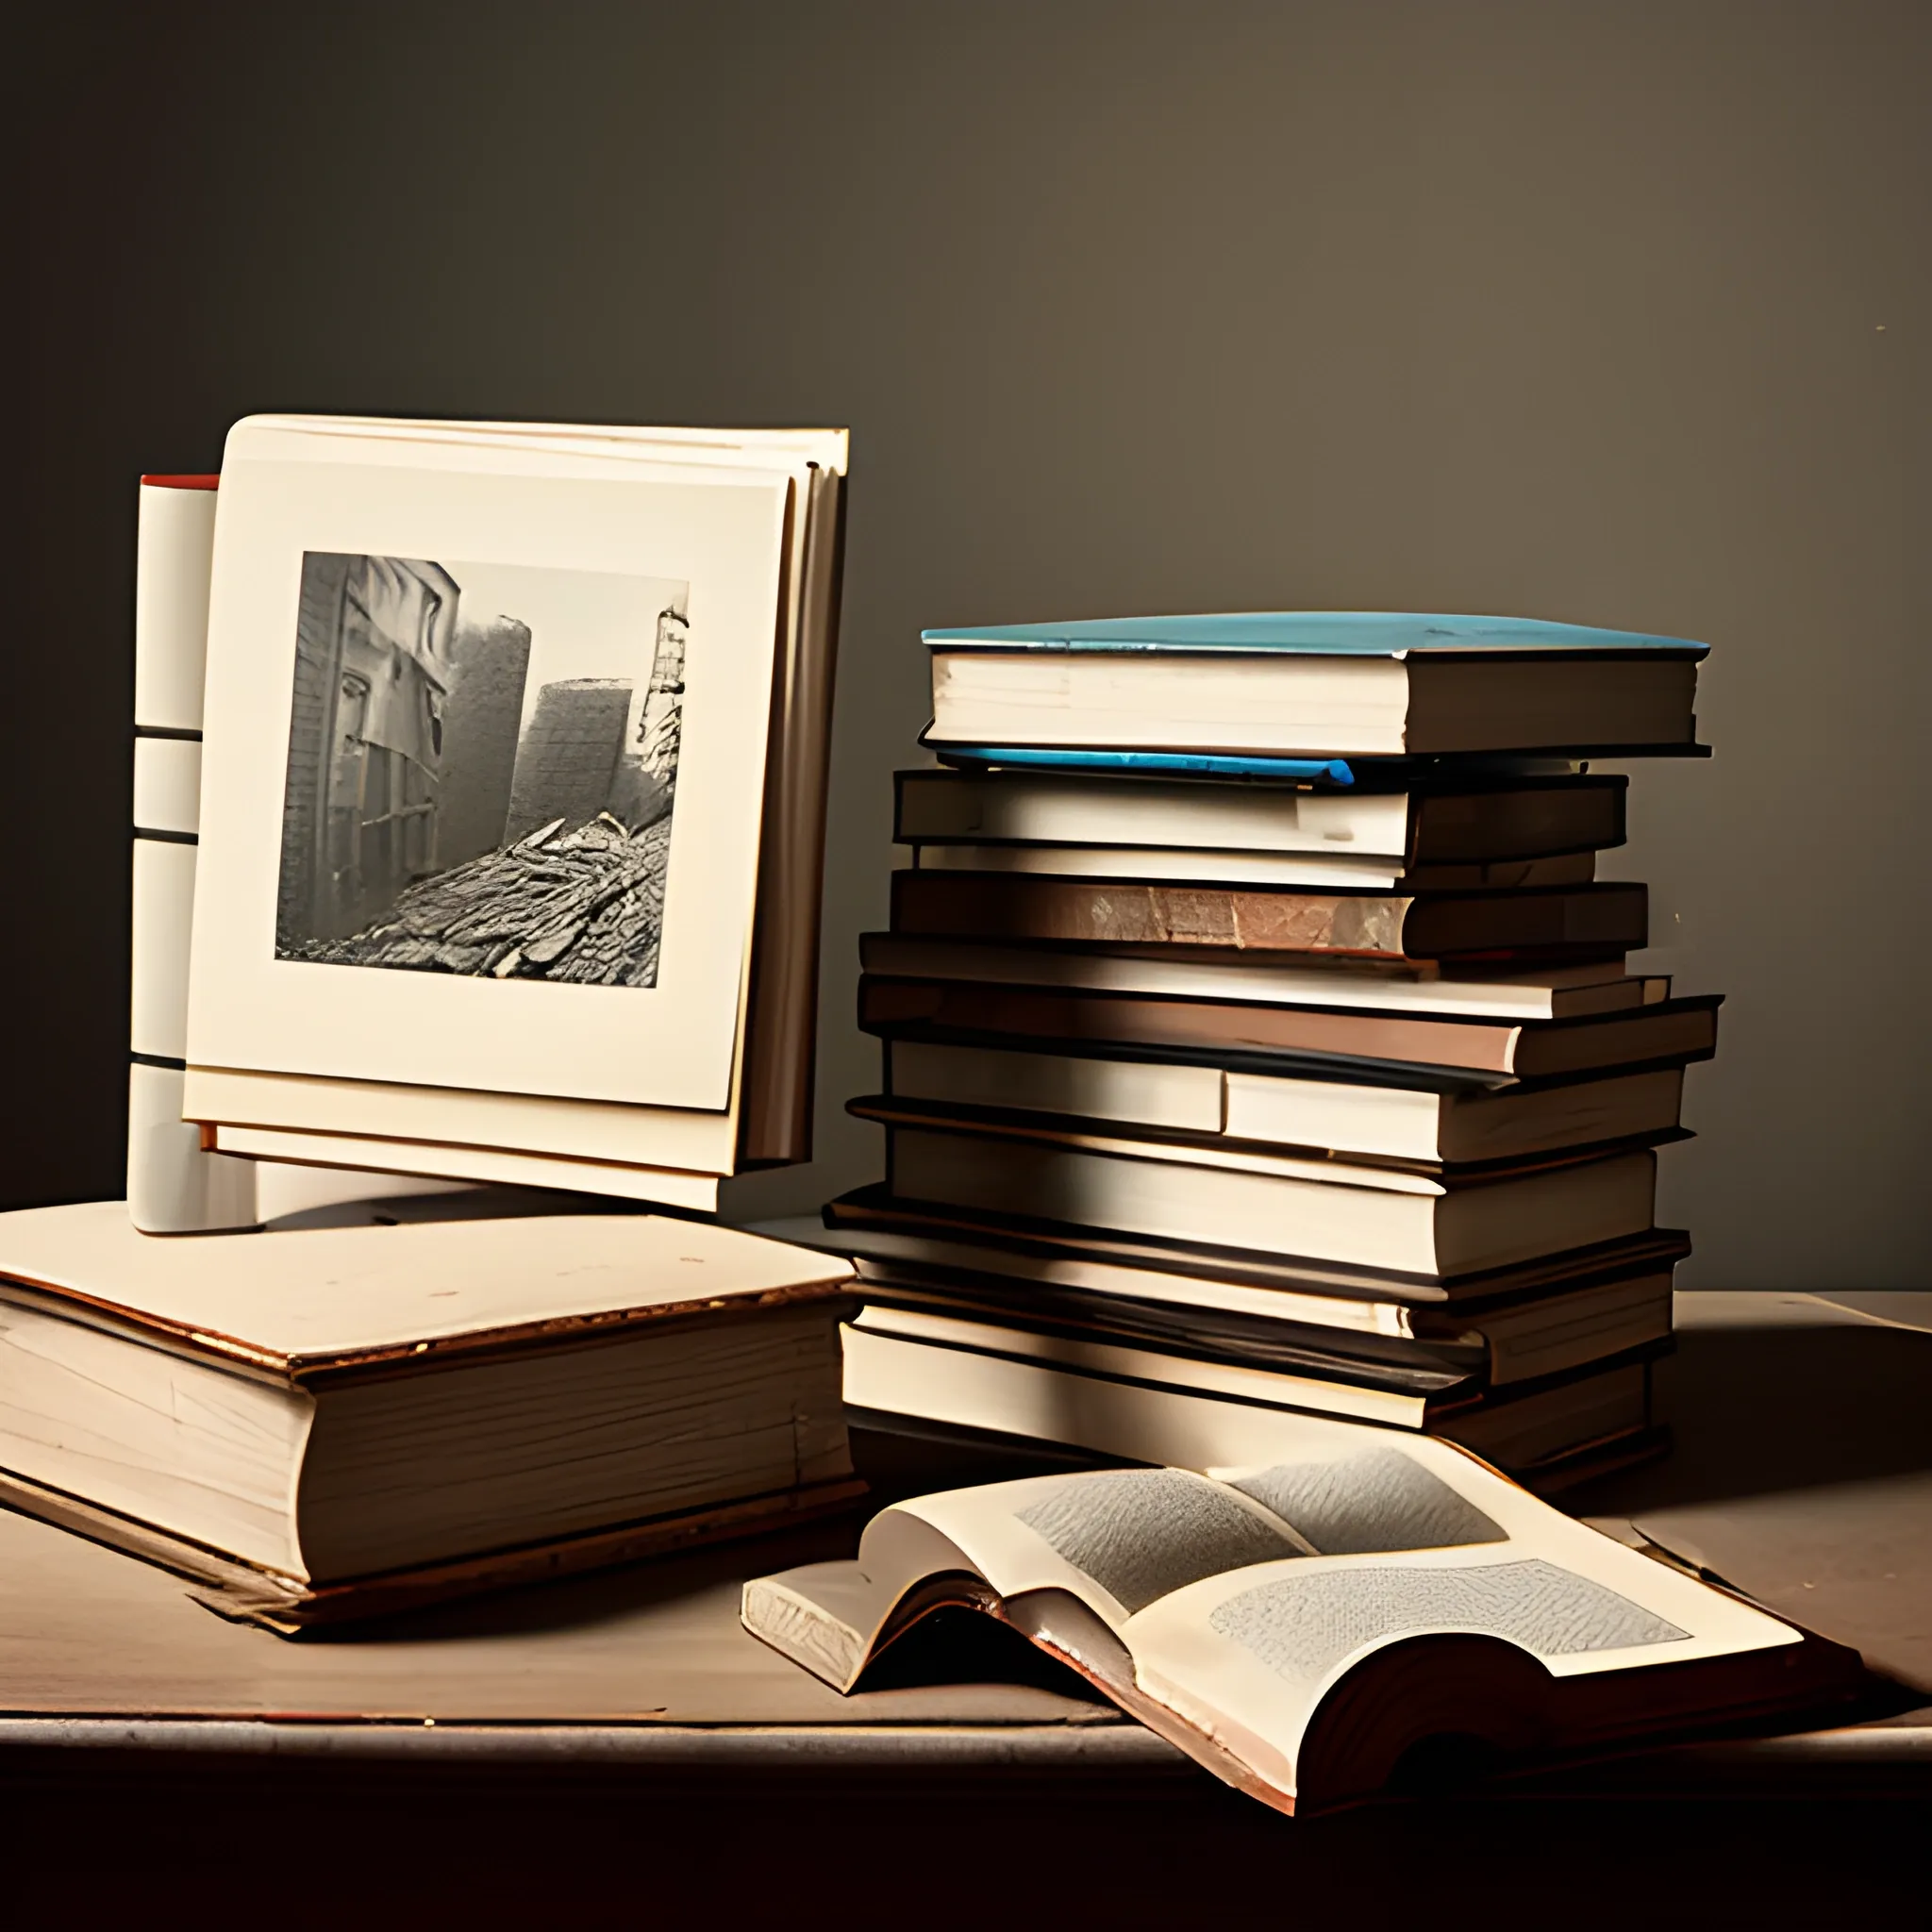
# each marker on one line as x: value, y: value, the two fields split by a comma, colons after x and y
x: 173, y: 1186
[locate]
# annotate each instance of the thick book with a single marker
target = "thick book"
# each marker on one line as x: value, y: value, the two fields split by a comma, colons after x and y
x: 1550, y: 1335
x: 1386, y: 1218
x: 1315, y: 683
x: 910, y: 1372
x: 1313, y: 1627
x: 335, y: 1421
x: 1551, y: 922
x: 1509, y: 1325
x: 1040, y: 1249
x: 514, y: 826
x: 1201, y: 866
x: 1669, y: 1032
x: 1458, y: 821
x: 1185, y: 1144
x: 1499, y: 991
x: 1403, y: 1117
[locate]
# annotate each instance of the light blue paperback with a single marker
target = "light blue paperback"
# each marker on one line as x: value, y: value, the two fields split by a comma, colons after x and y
x: 1313, y: 633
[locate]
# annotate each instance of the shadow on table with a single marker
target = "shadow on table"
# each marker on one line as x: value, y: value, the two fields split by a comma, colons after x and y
x: 1755, y: 1411
x: 894, y: 1466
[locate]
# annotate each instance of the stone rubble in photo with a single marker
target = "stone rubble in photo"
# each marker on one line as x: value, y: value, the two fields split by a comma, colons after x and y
x: 585, y: 904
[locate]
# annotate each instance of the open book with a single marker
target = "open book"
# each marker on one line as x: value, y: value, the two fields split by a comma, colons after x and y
x: 1305, y: 1629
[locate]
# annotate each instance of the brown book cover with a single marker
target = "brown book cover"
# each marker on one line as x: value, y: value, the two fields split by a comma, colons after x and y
x: 1553, y: 922
x: 1682, y: 1029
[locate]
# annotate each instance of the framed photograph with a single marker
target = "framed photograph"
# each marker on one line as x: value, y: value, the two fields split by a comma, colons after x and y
x: 483, y: 765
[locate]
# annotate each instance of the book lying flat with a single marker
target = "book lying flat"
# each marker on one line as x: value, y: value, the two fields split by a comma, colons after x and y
x: 1301, y: 1627
x: 1107, y: 1260
x: 1389, y: 1220
x: 1315, y: 683
x: 1038, y: 1382
x: 1203, y: 866
x: 1476, y: 991
x: 1458, y: 820
x: 1670, y: 1031
x: 331, y: 1422
x: 1519, y: 1326
x: 1551, y: 922
x: 479, y: 837
x: 1412, y: 1121
x: 1550, y: 1334
x: 1222, y: 1151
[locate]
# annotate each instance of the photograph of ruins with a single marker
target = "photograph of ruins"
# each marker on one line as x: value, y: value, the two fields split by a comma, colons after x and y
x: 482, y: 765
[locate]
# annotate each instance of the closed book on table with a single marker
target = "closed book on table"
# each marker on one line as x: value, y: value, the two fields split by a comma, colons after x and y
x: 1550, y: 922
x: 1453, y: 819
x: 334, y: 1422
x: 1384, y: 1219
x: 1317, y: 683
x: 1111, y: 1261
x: 1670, y: 1031
x: 1557, y: 1327
x: 1204, y: 866
x: 1402, y: 1116
x: 1476, y: 989
x: 1168, y: 1404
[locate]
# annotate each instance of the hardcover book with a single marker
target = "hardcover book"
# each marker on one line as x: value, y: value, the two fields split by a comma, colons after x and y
x: 336, y: 1422
x: 1317, y: 683
x: 512, y: 800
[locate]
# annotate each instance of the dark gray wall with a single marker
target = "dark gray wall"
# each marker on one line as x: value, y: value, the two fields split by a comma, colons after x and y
x: 1609, y: 312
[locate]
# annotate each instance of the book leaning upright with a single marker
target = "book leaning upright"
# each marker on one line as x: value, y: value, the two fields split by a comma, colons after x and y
x: 512, y: 800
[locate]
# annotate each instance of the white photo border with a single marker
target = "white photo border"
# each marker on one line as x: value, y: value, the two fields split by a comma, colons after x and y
x: 285, y: 493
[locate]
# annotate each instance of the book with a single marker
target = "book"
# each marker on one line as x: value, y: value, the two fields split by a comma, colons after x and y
x: 173, y: 1185
x: 1474, y: 989
x: 1558, y: 921
x: 1329, y: 683
x: 1404, y: 1117
x: 1668, y: 1032
x: 1156, y: 864
x: 1312, y: 1626
x: 328, y: 1422
x: 1211, y: 1273
x: 1386, y: 1218
x: 1454, y: 820
x: 1257, y: 1037
x: 1277, y: 1328
x: 530, y: 886
x: 1039, y: 1380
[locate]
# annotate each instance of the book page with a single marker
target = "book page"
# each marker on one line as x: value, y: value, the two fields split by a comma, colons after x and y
x: 1244, y: 1596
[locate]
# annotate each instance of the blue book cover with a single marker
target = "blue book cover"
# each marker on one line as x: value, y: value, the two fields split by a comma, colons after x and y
x: 1164, y: 764
x: 1313, y: 633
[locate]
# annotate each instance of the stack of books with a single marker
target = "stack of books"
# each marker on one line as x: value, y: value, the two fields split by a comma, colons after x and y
x: 1258, y: 1040
x: 478, y: 796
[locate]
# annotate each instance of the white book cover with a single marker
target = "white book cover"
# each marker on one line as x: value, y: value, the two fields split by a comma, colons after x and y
x: 420, y: 646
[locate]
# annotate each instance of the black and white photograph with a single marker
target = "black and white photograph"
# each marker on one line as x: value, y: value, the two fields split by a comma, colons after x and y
x: 482, y: 768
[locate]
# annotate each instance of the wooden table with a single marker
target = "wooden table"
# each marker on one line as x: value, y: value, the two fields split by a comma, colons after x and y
x: 537, y: 1746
